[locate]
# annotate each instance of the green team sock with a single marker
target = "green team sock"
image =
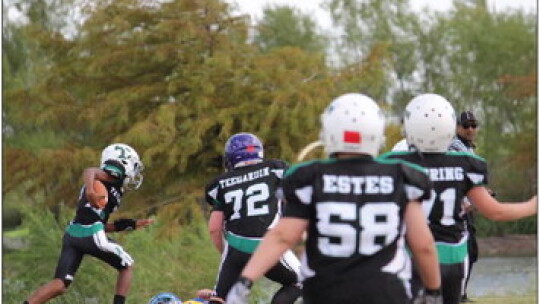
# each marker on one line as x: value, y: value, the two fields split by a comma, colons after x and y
x: 118, y: 299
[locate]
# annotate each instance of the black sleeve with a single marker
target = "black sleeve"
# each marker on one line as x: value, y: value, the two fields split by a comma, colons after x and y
x: 211, y: 193
x: 417, y: 183
x: 477, y: 173
x: 298, y: 190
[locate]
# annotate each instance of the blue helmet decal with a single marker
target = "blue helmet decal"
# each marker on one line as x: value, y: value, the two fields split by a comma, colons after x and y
x: 242, y: 147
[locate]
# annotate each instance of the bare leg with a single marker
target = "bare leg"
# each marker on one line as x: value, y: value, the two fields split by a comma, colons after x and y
x: 48, y: 291
x: 123, y: 282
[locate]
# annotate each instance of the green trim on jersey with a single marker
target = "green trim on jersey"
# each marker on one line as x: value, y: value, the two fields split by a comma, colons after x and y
x: 244, y: 244
x: 293, y: 168
x: 383, y: 160
x: 451, y: 253
x: 455, y: 153
x: 78, y: 230
x: 216, y: 202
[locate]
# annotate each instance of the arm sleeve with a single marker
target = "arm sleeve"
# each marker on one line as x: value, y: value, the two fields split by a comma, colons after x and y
x: 417, y: 183
x: 298, y: 191
x: 477, y: 172
x: 211, y: 195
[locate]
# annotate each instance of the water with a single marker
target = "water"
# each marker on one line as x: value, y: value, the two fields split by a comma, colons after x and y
x: 500, y: 276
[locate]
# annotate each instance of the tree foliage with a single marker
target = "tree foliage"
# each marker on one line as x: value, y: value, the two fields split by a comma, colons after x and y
x: 174, y: 80
x: 286, y: 26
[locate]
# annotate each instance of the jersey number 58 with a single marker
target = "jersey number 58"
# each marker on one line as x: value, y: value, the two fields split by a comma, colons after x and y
x: 378, y: 226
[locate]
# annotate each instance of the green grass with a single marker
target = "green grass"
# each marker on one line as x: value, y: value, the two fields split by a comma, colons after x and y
x: 527, y: 299
x: 17, y: 233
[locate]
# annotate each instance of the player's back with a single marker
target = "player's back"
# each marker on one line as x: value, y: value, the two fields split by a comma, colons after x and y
x: 453, y: 174
x: 247, y: 197
x: 355, y: 209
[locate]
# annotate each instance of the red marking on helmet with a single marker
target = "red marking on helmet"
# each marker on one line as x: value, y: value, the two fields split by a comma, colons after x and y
x: 352, y: 137
x: 250, y: 148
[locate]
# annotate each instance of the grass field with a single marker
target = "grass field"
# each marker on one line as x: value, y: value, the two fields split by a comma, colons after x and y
x: 529, y: 299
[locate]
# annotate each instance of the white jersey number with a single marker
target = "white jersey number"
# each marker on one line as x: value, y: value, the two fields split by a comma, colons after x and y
x: 376, y: 221
x: 254, y: 194
x: 448, y: 199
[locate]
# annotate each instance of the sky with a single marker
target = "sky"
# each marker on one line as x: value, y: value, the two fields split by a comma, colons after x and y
x: 254, y: 7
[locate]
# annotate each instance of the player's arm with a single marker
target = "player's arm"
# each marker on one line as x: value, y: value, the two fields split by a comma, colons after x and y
x: 422, y: 245
x: 215, y: 228
x: 287, y: 233
x: 127, y: 224
x: 498, y: 211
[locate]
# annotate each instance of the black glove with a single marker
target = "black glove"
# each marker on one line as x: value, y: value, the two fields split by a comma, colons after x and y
x: 239, y: 291
x: 428, y: 296
x: 125, y: 224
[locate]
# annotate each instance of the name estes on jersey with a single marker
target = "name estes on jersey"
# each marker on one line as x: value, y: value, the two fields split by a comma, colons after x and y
x: 370, y: 184
x: 245, y: 178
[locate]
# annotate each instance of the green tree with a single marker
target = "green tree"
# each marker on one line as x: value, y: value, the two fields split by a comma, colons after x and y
x: 287, y: 26
x: 173, y: 80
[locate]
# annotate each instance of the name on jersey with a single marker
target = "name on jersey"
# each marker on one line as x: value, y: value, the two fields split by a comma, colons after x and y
x: 445, y: 174
x: 244, y: 178
x: 358, y: 184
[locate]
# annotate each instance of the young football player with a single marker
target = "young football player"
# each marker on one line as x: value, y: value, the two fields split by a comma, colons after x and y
x: 244, y: 206
x: 357, y: 212
x: 429, y: 122
x: 86, y: 234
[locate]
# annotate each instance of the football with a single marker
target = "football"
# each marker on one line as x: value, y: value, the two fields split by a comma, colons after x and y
x: 103, y: 194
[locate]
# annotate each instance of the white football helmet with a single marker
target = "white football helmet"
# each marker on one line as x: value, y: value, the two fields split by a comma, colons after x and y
x: 129, y: 158
x: 430, y: 123
x: 352, y: 123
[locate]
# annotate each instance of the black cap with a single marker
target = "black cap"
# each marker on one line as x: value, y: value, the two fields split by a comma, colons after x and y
x: 466, y: 116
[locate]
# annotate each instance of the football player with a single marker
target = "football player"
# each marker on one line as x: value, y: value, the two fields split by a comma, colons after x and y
x: 86, y: 234
x: 244, y: 206
x: 357, y: 212
x: 429, y: 127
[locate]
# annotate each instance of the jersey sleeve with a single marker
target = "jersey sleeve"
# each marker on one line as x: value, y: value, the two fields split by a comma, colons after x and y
x: 298, y: 190
x: 279, y: 168
x: 211, y: 195
x: 416, y: 181
x: 477, y: 173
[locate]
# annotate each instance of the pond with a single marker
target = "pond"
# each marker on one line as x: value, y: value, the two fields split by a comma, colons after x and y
x: 500, y: 276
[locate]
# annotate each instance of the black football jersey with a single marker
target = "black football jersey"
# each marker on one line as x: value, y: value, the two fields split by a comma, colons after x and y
x: 355, y: 209
x: 86, y: 214
x: 247, y: 197
x: 453, y: 174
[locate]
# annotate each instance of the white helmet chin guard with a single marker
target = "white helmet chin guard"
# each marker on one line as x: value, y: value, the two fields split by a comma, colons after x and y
x: 129, y: 158
x: 430, y: 123
x: 352, y: 123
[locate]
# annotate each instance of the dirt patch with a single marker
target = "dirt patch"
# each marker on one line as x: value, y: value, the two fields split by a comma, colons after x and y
x: 508, y: 245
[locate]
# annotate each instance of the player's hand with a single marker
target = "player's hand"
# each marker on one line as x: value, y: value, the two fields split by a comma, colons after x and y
x: 239, y: 292
x: 205, y: 294
x: 127, y: 260
x: 429, y: 297
x: 143, y: 223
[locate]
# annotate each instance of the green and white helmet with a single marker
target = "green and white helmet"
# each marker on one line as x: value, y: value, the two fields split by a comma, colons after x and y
x: 128, y: 157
